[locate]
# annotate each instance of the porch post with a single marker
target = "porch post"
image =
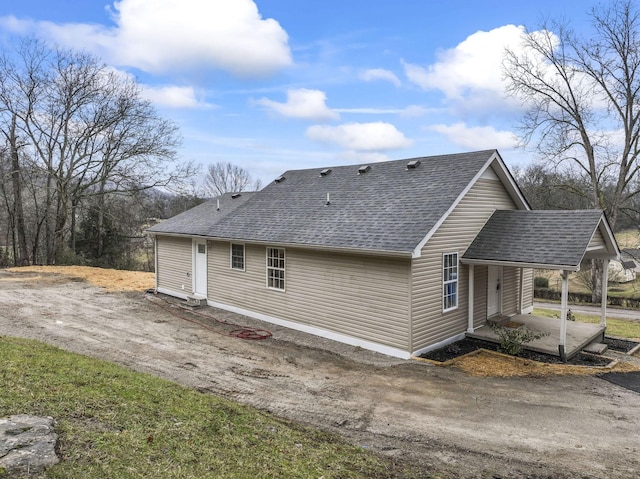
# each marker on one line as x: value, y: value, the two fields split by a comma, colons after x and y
x: 470, y: 298
x: 563, y: 316
x: 605, y: 284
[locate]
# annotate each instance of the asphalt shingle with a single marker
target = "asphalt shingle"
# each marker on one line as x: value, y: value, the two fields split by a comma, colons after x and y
x: 388, y: 208
x: 551, y: 237
x: 198, y: 220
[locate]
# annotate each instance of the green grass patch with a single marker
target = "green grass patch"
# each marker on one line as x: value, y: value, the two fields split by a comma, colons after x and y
x: 115, y: 423
x: 622, y: 328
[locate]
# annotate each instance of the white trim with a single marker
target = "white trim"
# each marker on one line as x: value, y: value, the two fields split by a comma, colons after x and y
x: 451, y: 281
x: 194, y: 268
x: 515, y: 264
x: 527, y: 310
x: 604, y: 293
x: 502, y: 173
x: 439, y: 345
x: 244, y: 256
x: 171, y: 292
x: 267, y: 267
x: 490, y: 292
x: 470, y: 299
x: 155, y: 261
x: 323, y: 333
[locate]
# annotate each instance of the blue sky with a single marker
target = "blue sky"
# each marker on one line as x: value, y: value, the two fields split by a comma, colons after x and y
x: 272, y: 85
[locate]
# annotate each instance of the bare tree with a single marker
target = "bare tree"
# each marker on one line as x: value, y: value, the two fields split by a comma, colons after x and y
x: 87, y: 129
x: 226, y: 177
x: 583, y: 99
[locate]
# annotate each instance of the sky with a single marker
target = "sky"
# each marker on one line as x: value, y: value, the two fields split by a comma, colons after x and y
x: 273, y: 85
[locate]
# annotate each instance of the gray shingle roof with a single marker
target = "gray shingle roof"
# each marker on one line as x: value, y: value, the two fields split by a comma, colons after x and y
x: 555, y: 237
x: 198, y: 221
x: 389, y: 208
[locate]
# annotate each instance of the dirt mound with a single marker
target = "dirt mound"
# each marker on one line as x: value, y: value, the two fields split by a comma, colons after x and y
x: 109, y: 279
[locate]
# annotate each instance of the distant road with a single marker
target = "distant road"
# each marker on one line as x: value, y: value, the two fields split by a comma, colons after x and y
x: 594, y: 310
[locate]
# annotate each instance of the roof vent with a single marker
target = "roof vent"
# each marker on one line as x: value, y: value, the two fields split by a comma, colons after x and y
x: 235, y: 195
x: 363, y: 169
x: 325, y: 172
x: 413, y: 164
x: 279, y: 179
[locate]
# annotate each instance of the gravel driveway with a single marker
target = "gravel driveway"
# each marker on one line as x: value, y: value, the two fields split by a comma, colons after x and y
x: 438, y: 417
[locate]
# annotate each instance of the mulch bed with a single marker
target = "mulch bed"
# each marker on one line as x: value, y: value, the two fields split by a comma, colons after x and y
x: 621, y: 345
x: 467, y: 345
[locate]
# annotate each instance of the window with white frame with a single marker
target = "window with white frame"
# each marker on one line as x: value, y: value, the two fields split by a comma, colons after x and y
x: 275, y: 268
x: 450, y: 269
x: 237, y: 256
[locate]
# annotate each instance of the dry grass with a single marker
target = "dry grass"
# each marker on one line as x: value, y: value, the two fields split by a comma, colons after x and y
x: 492, y: 364
x: 110, y: 279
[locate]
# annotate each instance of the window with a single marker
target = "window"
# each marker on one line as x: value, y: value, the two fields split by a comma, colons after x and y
x: 449, y: 281
x: 237, y: 256
x: 275, y: 268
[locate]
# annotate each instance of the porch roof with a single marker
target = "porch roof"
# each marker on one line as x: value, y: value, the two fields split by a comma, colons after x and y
x: 546, y: 239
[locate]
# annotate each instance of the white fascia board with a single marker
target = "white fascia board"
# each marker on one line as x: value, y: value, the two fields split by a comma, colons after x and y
x: 507, y: 181
x: 609, y: 237
x: 521, y: 265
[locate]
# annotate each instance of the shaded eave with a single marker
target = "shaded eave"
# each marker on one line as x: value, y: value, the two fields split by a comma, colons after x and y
x: 508, y: 182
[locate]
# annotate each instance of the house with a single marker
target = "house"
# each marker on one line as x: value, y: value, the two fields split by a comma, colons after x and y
x: 625, y: 269
x: 377, y: 255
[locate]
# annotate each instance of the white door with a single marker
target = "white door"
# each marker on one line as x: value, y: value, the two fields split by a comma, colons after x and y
x: 200, y: 267
x: 494, y: 291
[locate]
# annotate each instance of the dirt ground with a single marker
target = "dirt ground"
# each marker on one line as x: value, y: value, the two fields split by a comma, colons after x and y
x: 444, y: 419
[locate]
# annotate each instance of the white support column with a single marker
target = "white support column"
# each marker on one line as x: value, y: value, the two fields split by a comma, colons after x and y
x: 470, y: 298
x: 605, y: 284
x: 563, y: 315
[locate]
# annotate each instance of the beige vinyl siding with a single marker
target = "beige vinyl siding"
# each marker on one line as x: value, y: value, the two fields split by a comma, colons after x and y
x: 174, y: 264
x: 597, y: 241
x: 430, y: 324
x: 359, y: 296
x: 480, y: 276
x: 527, y: 293
x: 510, y: 290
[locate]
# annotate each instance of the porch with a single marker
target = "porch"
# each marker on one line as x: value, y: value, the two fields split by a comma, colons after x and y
x: 578, y: 336
x: 555, y: 239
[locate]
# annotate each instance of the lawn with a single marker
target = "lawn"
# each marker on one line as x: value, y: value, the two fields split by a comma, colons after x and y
x: 116, y: 423
x: 621, y: 328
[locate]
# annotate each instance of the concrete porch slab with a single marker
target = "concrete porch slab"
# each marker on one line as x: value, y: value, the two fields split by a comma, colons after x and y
x: 579, y: 335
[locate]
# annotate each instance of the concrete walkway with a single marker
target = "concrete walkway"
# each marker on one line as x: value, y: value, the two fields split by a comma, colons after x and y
x: 619, y: 313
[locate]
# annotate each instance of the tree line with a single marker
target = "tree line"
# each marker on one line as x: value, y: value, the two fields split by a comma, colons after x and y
x: 86, y: 161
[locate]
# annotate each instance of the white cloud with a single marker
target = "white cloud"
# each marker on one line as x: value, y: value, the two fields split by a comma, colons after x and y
x: 377, y: 136
x: 173, y: 96
x: 164, y: 35
x: 380, y: 74
x: 473, y: 65
x: 302, y: 103
x: 476, y: 137
x: 408, y: 112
